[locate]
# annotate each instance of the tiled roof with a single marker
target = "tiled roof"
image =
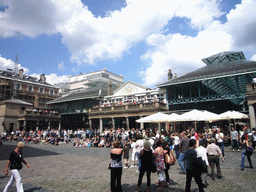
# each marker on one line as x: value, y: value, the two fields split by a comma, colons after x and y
x: 215, y: 70
x: 16, y: 101
x: 86, y: 94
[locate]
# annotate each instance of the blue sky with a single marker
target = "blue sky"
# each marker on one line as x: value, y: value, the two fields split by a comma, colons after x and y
x: 140, y: 39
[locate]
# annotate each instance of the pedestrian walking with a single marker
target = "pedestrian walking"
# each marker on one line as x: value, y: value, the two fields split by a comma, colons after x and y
x: 146, y: 156
x: 234, y: 139
x: 245, y: 152
x: 183, y: 146
x: 192, y: 168
x: 214, y: 152
x: 116, y: 167
x: 15, y: 163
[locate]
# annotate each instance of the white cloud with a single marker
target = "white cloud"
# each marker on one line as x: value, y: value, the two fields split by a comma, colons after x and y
x: 9, y: 64
x: 181, y: 54
x: 91, y: 38
x: 53, y: 78
x: 253, y: 58
x: 61, y: 65
x: 241, y: 25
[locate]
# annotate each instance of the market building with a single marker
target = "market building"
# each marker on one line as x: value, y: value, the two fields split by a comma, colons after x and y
x: 219, y: 86
x: 23, y: 102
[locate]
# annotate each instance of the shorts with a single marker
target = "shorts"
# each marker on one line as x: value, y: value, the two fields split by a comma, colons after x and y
x: 134, y: 157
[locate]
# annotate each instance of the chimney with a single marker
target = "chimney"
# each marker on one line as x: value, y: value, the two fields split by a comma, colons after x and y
x: 110, y: 91
x: 42, y: 78
x: 21, y: 71
x: 169, y: 74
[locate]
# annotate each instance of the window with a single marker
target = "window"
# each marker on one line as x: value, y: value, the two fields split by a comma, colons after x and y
x: 51, y: 92
x: 18, y: 86
x: 30, y: 88
x: 41, y: 90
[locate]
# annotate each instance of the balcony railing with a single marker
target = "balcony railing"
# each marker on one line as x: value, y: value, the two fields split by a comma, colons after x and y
x: 129, y: 107
x: 37, y: 113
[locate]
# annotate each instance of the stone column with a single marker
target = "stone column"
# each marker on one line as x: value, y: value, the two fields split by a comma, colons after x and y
x: 49, y: 124
x: 159, y: 127
x: 37, y: 125
x: 252, y: 117
x: 25, y: 125
x: 127, y: 123
x: 141, y: 124
x: 113, y: 123
x: 90, y: 124
x: 101, y: 126
x: 59, y: 126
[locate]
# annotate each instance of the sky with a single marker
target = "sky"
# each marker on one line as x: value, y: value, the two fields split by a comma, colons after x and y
x: 139, y: 39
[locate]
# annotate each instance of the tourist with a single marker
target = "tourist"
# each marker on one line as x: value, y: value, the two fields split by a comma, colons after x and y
x: 167, y: 166
x: 244, y: 146
x: 201, y: 153
x: 160, y: 165
x: 134, y: 153
x: 176, y: 143
x: 220, y: 142
x: 15, y: 165
x: 253, y: 138
x: 183, y: 146
x: 139, y: 146
x: 146, y: 156
x: 191, y: 168
x: 116, y: 167
x: 126, y: 155
x: 234, y: 139
x: 214, y: 152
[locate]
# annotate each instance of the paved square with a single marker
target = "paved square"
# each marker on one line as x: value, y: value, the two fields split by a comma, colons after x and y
x: 65, y: 168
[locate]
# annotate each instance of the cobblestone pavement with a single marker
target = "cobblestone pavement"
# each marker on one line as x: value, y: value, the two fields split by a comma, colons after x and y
x: 65, y: 168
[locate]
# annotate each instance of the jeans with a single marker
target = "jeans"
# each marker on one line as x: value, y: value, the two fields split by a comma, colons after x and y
x: 137, y: 155
x: 115, y: 180
x: 221, y: 146
x: 16, y: 176
x: 182, y: 161
x: 177, y: 151
x: 234, y: 144
x: 243, y: 154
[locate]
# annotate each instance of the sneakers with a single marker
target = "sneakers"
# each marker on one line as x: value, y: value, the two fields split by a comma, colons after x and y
x: 125, y: 167
x: 233, y: 149
x: 137, y: 171
x: 238, y: 150
x: 131, y: 166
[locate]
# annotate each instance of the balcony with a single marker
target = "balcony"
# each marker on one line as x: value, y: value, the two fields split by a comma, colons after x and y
x: 129, y: 108
x: 38, y: 114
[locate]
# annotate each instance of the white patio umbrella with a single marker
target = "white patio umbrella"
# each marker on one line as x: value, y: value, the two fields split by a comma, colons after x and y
x: 197, y: 115
x: 228, y: 115
x: 233, y: 115
x: 174, y: 117
x: 155, y: 118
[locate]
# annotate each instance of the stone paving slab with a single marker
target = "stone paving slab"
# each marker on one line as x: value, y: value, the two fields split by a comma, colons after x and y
x: 65, y: 168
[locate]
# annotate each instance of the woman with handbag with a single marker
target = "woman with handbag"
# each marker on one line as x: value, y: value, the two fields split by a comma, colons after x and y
x: 116, y: 167
x: 15, y: 165
x: 167, y: 165
x: 244, y: 146
x: 146, y: 157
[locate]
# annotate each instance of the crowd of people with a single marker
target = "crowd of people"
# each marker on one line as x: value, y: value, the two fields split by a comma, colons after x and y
x: 148, y: 148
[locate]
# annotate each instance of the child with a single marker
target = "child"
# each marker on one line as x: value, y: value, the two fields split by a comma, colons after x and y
x: 126, y: 155
x: 134, y: 157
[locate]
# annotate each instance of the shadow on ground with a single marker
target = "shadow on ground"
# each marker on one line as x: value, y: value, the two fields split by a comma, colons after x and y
x: 28, y: 151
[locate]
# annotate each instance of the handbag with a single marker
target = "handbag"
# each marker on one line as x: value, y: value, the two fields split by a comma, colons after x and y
x: 172, y: 159
x: 249, y: 151
x: 167, y: 159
